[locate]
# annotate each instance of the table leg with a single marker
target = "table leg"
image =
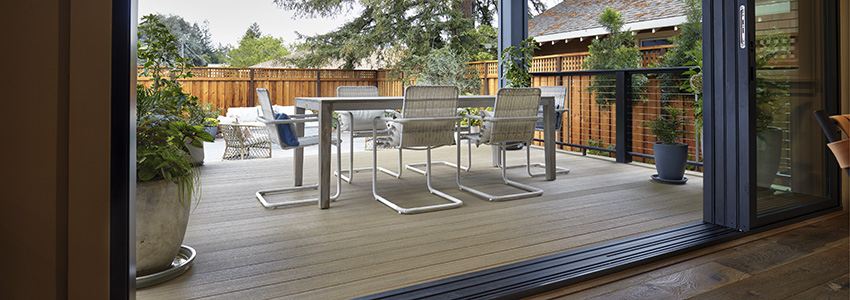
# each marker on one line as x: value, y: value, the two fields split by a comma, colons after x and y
x: 325, y: 129
x: 549, y: 138
x: 298, y: 154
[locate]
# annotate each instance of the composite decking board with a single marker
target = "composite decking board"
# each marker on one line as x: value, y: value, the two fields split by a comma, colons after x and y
x: 303, y: 252
x: 700, y: 263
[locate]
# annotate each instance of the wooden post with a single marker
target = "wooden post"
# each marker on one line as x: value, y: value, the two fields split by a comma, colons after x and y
x: 318, y: 82
x: 251, y: 87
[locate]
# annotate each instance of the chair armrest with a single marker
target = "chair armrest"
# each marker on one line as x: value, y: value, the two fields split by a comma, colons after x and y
x: 528, y: 118
x: 418, y: 120
x: 290, y: 121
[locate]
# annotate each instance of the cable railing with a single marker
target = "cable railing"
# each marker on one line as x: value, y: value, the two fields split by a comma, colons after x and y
x: 608, y: 111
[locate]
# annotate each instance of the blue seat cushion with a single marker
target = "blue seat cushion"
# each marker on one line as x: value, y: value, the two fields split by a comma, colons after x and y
x: 286, y: 132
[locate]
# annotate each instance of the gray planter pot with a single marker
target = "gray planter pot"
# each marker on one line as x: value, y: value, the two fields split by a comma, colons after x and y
x: 213, y: 130
x: 160, y: 225
x: 768, y: 153
x: 670, y: 160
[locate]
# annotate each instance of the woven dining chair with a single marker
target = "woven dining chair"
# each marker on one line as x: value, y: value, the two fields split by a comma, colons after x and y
x: 511, y: 122
x: 358, y: 123
x: 428, y: 119
x: 560, y: 95
x: 282, y: 132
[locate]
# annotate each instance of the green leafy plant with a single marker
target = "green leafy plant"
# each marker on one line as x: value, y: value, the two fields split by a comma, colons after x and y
x: 517, y: 62
x: 694, y: 84
x: 616, y: 51
x: 769, y: 89
x: 162, y: 133
x: 669, y: 128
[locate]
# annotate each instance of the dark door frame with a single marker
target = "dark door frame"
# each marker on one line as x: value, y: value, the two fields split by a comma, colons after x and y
x: 729, y: 79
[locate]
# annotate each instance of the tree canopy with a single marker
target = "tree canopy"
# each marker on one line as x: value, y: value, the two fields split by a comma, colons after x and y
x: 255, y: 48
x: 616, y: 51
x: 398, y: 28
x: 193, y: 41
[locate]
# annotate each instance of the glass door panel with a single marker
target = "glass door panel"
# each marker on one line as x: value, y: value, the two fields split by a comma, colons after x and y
x: 792, y: 174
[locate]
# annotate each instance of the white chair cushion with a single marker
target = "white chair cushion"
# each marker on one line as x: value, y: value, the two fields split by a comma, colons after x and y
x: 362, y: 119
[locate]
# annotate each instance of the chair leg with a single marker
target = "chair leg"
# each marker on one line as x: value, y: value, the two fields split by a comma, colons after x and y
x: 528, y: 164
x: 530, y: 191
x: 413, y: 168
x: 272, y: 205
x: 454, y: 202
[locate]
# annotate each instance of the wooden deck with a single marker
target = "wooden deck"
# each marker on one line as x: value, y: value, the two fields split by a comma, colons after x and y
x: 360, y: 247
x: 807, y: 260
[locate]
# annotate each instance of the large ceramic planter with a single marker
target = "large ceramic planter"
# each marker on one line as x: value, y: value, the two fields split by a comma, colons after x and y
x: 768, y: 152
x: 670, y: 160
x: 161, y: 221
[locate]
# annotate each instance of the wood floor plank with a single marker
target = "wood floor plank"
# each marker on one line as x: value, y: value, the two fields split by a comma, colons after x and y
x: 786, y: 280
x: 837, y: 289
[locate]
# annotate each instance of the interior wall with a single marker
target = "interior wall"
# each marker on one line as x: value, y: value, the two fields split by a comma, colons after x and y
x: 54, y: 210
x: 89, y: 122
x: 34, y: 190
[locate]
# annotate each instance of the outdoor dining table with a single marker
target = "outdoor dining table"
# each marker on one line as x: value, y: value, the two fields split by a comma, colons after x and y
x: 325, y: 106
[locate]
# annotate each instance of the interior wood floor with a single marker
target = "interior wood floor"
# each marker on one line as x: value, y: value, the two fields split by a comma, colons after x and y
x: 807, y: 260
x: 360, y: 247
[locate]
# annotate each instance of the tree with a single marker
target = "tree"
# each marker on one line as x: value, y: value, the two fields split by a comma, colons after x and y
x: 401, y: 28
x: 254, y: 48
x: 193, y: 41
x: 687, y: 44
x: 616, y: 51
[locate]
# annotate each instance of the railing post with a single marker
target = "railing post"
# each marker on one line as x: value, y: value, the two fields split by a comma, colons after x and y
x: 624, y: 117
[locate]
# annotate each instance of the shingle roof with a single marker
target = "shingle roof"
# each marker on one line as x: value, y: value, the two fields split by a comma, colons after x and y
x: 574, y: 15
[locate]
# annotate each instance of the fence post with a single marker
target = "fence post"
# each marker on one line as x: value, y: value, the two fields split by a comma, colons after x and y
x: 318, y: 82
x: 251, y: 88
x: 624, y: 117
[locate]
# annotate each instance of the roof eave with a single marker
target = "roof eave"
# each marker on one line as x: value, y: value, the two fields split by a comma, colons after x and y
x: 657, y: 23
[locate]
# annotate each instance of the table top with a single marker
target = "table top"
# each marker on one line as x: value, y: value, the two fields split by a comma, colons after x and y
x: 391, y: 102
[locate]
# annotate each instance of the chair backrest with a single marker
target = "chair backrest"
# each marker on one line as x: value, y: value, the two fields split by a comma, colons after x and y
x: 362, y: 118
x: 560, y: 94
x: 267, y: 112
x: 429, y: 102
x: 357, y: 91
x: 514, y: 102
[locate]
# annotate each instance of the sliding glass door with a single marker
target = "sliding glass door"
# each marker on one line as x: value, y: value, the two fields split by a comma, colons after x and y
x: 792, y: 70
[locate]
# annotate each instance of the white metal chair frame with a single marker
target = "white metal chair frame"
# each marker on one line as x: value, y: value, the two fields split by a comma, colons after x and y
x: 501, y: 142
x: 399, y: 118
x: 298, y: 119
x: 559, y: 92
x: 358, y: 91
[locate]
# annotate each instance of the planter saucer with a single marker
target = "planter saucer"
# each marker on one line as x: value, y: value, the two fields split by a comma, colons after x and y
x: 680, y: 181
x: 181, y: 263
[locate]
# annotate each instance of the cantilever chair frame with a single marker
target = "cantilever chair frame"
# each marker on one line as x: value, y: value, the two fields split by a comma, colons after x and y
x: 273, y: 135
x: 454, y: 202
x: 428, y: 119
x: 530, y: 191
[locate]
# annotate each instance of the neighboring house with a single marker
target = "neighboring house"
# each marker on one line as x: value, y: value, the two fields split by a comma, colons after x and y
x: 569, y: 26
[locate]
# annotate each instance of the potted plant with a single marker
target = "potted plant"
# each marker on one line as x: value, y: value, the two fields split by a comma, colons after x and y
x: 167, y: 180
x: 671, y: 155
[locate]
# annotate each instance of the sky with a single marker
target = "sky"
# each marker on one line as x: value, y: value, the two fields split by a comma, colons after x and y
x: 229, y: 19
